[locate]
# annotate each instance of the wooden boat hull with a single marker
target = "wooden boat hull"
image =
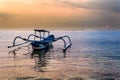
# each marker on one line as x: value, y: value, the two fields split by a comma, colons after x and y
x: 38, y: 45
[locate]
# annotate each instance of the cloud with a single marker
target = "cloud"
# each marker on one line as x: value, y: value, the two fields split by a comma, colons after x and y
x: 66, y: 13
x: 104, y: 5
x: 3, y: 15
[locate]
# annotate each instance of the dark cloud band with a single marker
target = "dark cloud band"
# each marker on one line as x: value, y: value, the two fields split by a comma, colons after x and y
x: 104, y: 5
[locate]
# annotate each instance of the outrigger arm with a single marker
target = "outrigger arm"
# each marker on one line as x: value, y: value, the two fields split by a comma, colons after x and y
x: 14, y: 42
x: 24, y: 39
x: 66, y: 46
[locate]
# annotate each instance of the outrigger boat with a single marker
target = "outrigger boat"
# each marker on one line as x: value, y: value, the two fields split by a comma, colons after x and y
x: 45, y: 40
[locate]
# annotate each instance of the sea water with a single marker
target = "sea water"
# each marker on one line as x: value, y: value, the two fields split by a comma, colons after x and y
x: 94, y: 55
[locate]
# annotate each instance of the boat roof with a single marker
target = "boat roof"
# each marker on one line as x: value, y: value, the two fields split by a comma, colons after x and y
x: 40, y: 30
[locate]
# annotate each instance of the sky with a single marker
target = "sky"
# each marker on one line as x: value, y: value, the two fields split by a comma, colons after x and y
x: 60, y: 14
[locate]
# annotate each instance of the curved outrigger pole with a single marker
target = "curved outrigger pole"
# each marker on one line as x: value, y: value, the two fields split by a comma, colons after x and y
x: 24, y: 39
x: 14, y: 42
x: 66, y: 46
x: 44, y: 41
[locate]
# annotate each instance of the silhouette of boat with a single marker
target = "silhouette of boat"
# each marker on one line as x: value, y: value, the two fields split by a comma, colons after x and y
x: 45, y: 40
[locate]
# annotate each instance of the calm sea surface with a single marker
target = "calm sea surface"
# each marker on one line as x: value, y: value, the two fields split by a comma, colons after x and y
x: 94, y: 55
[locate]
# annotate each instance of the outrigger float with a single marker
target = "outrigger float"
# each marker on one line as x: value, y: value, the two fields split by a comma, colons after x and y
x: 45, y: 40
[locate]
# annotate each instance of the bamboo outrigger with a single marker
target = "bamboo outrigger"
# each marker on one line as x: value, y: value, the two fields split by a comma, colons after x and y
x: 46, y: 40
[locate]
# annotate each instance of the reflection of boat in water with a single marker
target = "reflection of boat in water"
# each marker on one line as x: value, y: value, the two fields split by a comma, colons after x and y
x: 40, y: 58
x: 45, y: 40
